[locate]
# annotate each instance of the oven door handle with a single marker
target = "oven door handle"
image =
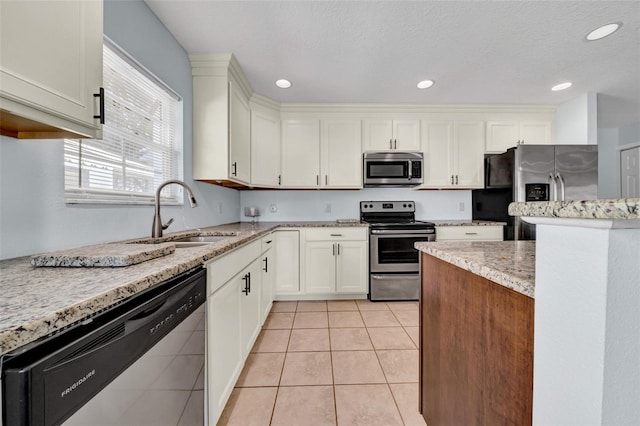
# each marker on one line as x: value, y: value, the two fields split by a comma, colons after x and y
x: 394, y: 277
x: 402, y: 233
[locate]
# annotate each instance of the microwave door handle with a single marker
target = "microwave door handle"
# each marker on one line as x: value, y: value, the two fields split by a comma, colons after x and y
x: 410, y: 169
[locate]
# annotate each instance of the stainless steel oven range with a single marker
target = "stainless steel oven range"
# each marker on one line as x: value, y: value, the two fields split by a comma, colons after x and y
x: 394, y: 265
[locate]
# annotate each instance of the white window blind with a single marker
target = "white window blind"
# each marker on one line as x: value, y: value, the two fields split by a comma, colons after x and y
x: 141, y: 145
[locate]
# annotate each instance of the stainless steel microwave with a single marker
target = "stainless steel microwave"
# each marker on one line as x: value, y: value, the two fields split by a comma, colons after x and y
x: 392, y: 169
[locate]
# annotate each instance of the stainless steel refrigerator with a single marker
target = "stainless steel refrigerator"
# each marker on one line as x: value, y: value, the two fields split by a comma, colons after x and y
x: 535, y: 173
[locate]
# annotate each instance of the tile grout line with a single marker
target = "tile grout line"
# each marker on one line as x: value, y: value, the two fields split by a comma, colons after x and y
x: 286, y: 351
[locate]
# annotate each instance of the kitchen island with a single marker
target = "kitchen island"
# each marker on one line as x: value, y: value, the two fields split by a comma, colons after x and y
x: 476, y: 331
x: 587, y: 321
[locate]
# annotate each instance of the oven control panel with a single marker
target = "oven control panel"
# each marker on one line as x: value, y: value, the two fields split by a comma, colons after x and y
x: 387, y: 206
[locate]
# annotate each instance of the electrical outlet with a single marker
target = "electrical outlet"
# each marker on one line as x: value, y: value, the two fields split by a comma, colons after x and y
x: 327, y: 208
x: 461, y: 207
x: 273, y: 208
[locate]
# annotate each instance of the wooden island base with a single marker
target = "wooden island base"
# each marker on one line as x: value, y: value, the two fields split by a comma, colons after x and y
x: 476, y: 349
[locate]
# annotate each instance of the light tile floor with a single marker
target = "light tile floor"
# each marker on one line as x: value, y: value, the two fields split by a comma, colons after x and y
x: 344, y: 363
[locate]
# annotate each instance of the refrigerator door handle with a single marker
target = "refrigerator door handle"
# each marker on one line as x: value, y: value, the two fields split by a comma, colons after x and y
x: 561, y: 180
x: 553, y: 185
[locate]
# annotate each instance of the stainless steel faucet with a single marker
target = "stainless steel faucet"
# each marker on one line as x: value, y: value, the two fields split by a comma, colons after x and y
x: 158, y: 227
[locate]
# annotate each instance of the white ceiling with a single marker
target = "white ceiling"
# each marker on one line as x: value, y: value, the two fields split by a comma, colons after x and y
x: 478, y: 52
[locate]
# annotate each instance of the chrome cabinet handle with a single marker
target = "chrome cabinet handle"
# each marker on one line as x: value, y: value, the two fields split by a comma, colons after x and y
x: 338, y: 249
x: 100, y: 95
x: 266, y: 264
x: 335, y: 235
x: 334, y: 248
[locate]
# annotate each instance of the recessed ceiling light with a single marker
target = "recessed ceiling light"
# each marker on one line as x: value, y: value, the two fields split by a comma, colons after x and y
x: 562, y: 86
x: 425, y: 84
x: 283, y: 84
x: 603, y: 31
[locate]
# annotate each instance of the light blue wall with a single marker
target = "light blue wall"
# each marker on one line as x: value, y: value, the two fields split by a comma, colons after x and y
x: 629, y: 134
x: 608, y: 174
x: 609, y: 141
x: 33, y: 215
x: 332, y: 205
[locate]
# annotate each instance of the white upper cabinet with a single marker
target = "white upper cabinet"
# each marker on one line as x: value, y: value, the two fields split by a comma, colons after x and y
x: 239, y: 135
x: 502, y: 135
x: 321, y: 154
x: 300, y: 156
x: 391, y: 135
x: 341, y: 150
x: 50, y: 68
x: 221, y: 120
x: 454, y: 154
x: 265, y: 148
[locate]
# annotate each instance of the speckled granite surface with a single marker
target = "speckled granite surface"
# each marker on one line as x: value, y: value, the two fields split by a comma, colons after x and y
x: 508, y: 263
x: 467, y: 223
x: 39, y: 301
x: 624, y: 208
x: 103, y: 255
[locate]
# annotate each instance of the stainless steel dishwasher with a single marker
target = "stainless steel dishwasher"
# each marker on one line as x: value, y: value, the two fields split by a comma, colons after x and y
x: 138, y: 363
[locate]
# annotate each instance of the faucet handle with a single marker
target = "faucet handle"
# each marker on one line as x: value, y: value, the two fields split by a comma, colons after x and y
x: 166, y: 225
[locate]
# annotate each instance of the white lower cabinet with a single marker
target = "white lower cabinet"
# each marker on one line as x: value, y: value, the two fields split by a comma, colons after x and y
x: 287, y: 263
x: 336, y: 261
x: 469, y: 233
x: 268, y: 275
x: 234, y: 320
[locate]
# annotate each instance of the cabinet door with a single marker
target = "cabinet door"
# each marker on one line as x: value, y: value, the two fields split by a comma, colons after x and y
x: 250, y: 298
x: 469, y: 154
x: 351, y: 267
x: 224, y: 349
x: 265, y: 149
x: 378, y: 135
x: 300, y: 153
x: 51, y: 61
x: 341, y: 154
x: 320, y: 267
x: 267, y: 283
x: 287, y: 264
x: 502, y: 135
x: 535, y: 132
x: 438, y: 168
x: 406, y: 135
x: 239, y: 136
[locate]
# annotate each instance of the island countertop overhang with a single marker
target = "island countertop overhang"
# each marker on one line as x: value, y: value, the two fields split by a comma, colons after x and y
x: 508, y: 263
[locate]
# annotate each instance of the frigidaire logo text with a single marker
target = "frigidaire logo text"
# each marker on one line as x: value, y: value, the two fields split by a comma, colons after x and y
x: 78, y: 383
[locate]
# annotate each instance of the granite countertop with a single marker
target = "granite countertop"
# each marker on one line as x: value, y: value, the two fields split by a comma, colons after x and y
x: 508, y: 263
x: 624, y: 209
x: 467, y: 223
x: 37, y: 301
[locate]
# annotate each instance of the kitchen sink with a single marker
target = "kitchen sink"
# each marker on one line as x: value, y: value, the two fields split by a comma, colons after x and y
x: 201, y: 239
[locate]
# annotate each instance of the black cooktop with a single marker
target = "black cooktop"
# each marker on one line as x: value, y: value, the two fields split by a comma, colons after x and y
x: 392, y: 215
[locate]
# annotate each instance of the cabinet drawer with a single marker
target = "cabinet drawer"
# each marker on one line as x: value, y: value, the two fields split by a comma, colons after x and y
x: 267, y: 242
x: 336, y: 234
x: 469, y: 233
x: 221, y: 270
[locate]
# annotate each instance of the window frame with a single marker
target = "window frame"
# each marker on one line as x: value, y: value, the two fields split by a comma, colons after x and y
x: 171, y: 194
